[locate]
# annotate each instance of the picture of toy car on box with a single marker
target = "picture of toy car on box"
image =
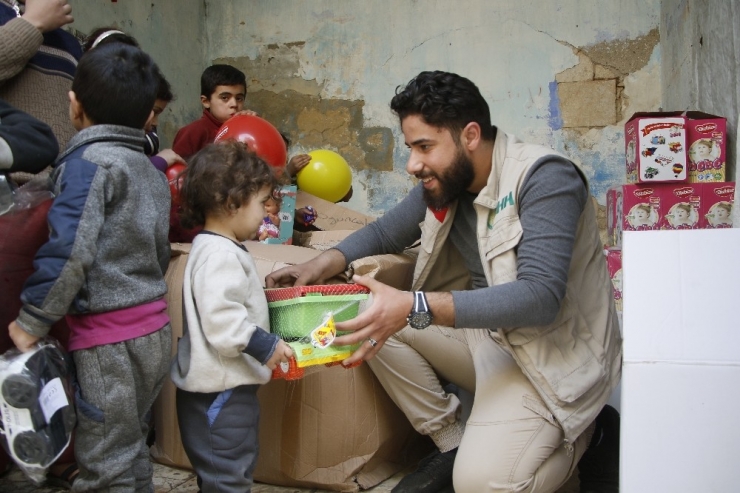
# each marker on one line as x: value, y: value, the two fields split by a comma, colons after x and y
x: 36, y: 411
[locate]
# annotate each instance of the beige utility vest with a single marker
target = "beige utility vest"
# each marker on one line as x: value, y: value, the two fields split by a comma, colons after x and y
x: 575, y: 362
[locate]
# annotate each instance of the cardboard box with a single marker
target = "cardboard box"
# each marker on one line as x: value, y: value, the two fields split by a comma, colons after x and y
x: 676, y: 146
x: 333, y: 429
x: 706, y: 143
x: 718, y: 201
x: 320, y: 240
x: 655, y: 147
x: 681, y: 366
x: 167, y: 448
x: 614, y: 266
x: 330, y: 216
x: 632, y: 208
x: 680, y: 205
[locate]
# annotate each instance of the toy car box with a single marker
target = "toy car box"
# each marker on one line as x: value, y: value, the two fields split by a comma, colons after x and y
x: 655, y: 147
x: 36, y: 411
x: 675, y: 146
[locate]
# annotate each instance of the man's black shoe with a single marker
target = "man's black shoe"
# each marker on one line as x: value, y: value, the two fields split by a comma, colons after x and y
x: 598, y: 469
x: 433, y: 474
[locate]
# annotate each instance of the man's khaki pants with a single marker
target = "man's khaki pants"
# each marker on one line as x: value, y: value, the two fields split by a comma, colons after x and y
x: 510, y: 442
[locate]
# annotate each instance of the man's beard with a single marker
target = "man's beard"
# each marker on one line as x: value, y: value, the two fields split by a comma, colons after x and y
x: 455, y: 180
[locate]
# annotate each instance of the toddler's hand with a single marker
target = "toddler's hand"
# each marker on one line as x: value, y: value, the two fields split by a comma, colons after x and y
x: 22, y: 339
x: 297, y: 163
x: 282, y: 354
x: 170, y: 156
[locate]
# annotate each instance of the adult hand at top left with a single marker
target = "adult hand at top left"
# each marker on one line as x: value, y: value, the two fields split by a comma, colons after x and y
x: 385, y: 316
x: 47, y: 15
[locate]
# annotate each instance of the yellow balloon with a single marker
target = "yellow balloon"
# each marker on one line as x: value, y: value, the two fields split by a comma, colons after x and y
x: 327, y: 175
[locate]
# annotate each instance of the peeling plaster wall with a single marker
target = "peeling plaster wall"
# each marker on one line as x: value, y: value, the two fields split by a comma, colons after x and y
x: 566, y: 75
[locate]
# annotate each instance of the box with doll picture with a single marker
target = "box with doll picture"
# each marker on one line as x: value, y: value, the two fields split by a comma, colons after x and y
x: 277, y: 225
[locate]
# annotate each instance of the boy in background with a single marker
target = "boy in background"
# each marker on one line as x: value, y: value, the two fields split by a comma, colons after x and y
x: 103, y: 268
x: 223, y: 89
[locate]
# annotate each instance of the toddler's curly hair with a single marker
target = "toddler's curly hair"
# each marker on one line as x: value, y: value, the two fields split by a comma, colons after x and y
x: 221, y: 176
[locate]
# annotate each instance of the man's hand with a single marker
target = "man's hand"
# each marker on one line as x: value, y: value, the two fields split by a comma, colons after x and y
x: 282, y: 354
x: 22, y: 339
x: 47, y: 15
x: 384, y: 317
x: 316, y: 271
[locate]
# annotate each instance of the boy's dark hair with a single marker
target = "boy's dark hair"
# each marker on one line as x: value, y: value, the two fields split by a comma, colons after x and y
x: 112, y: 37
x: 219, y: 176
x: 221, y: 75
x: 164, y: 91
x: 443, y: 100
x: 116, y: 84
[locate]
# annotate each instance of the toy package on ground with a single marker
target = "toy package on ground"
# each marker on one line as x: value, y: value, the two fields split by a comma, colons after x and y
x: 305, y: 318
x: 36, y: 410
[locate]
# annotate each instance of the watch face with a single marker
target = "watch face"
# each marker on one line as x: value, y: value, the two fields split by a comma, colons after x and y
x: 420, y: 320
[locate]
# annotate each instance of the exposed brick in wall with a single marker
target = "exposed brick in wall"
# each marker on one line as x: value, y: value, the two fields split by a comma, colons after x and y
x: 591, y: 92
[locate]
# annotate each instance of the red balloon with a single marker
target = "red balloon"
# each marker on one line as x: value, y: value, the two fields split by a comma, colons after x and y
x: 259, y: 135
x: 175, y: 179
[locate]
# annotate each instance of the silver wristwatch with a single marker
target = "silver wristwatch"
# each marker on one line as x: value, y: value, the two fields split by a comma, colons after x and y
x: 420, y: 316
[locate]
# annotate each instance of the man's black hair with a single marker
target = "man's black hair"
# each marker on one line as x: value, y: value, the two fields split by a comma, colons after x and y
x: 116, y: 84
x: 221, y: 75
x: 443, y: 100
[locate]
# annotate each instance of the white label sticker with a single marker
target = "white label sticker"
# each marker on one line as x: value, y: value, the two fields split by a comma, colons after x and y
x: 52, y: 398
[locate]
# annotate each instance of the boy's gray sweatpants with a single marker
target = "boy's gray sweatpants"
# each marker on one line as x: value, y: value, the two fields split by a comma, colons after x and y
x: 220, y: 432
x: 118, y: 384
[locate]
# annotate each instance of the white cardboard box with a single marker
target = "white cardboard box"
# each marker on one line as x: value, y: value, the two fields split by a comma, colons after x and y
x: 681, y: 376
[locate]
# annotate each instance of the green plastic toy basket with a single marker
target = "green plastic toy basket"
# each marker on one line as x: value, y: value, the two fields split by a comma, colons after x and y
x: 296, y: 312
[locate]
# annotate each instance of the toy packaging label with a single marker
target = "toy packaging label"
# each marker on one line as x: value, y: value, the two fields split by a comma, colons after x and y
x: 287, y: 216
x: 718, y: 199
x: 681, y: 206
x: 706, y: 137
x: 655, y: 149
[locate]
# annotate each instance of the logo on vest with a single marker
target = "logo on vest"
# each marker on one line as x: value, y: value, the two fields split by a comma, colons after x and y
x: 502, y: 204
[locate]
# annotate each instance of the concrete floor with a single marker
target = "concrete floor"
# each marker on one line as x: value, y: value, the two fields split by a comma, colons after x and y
x: 167, y: 479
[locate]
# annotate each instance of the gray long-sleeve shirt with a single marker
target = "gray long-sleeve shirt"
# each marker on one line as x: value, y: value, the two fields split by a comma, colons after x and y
x: 551, y: 200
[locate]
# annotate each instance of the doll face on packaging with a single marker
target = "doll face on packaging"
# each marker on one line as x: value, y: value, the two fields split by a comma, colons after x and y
x: 272, y: 206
